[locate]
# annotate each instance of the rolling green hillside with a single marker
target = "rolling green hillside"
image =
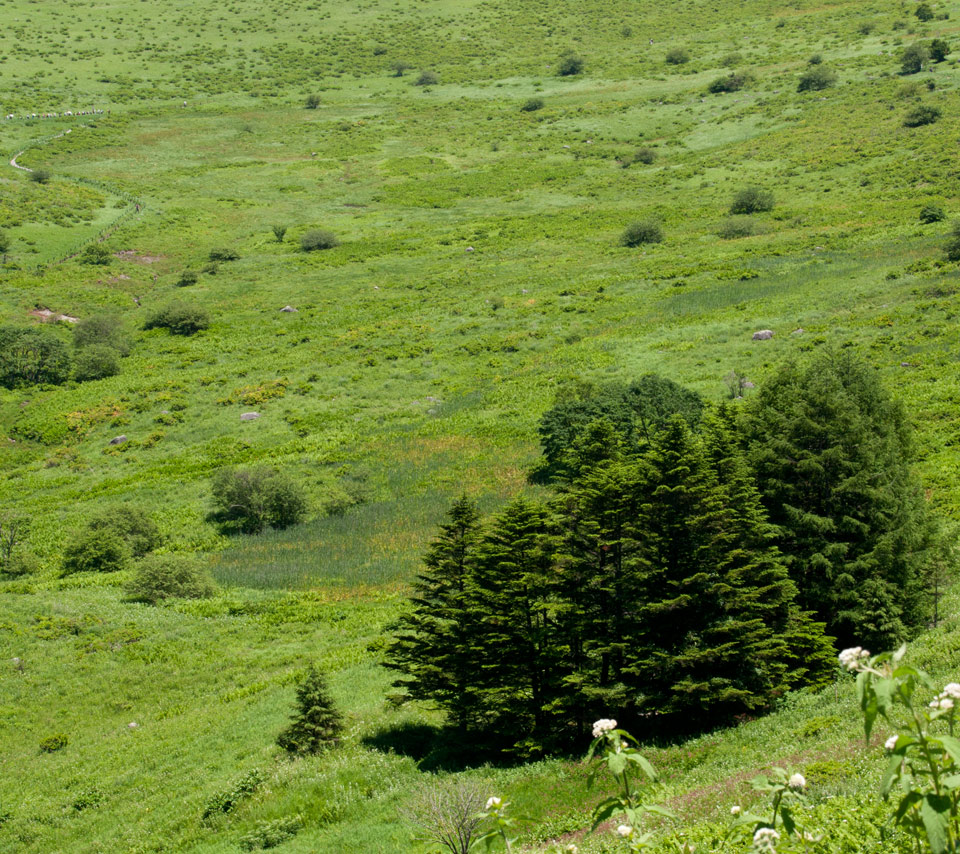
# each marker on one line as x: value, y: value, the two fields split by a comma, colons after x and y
x: 479, y: 270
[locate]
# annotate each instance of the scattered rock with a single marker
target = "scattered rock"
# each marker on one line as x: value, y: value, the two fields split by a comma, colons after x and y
x: 763, y: 335
x: 133, y: 725
x: 118, y: 440
x: 907, y: 365
x: 469, y: 249
x: 288, y: 309
x: 249, y: 416
x: 17, y: 663
x: 164, y: 411
x: 748, y: 384
x: 797, y: 331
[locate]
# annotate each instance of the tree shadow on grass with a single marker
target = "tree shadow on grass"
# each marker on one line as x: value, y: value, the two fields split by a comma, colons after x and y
x: 436, y: 748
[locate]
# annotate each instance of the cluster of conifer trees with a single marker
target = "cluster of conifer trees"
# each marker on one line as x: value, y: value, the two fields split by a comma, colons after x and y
x: 692, y: 565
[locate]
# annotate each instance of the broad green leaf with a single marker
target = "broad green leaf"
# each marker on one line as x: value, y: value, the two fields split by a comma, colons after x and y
x: 890, y: 774
x: 910, y: 799
x: 951, y: 782
x: 952, y: 746
x: 636, y: 758
x: 616, y: 762
x: 788, y: 821
x: 935, y: 813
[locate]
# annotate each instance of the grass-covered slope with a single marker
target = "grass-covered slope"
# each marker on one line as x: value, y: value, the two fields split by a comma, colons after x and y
x: 479, y: 268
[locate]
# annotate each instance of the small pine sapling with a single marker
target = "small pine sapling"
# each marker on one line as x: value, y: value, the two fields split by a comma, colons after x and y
x: 315, y: 723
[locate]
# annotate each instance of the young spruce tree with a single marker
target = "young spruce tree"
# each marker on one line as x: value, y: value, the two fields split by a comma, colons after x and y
x: 436, y: 642
x: 315, y: 722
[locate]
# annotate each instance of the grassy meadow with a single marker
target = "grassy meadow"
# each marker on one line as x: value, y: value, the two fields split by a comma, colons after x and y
x: 479, y: 271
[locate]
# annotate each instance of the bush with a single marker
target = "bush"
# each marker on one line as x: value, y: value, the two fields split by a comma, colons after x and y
x: 95, y: 363
x: 751, y: 200
x: 53, y: 743
x: 932, y: 213
x: 939, y: 50
x: 227, y: 801
x: 102, y: 329
x: 224, y: 255
x: 399, y: 67
x: 250, y: 500
x: 570, y: 65
x: 160, y: 577
x: 731, y: 83
x: 736, y: 227
x: 315, y: 722
x: 638, y: 233
x: 677, y: 56
x: 5, y: 242
x: 179, y: 318
x: 816, y: 59
x: 426, y: 78
x: 923, y: 12
x: 816, y: 78
x: 922, y: 115
x: 96, y: 253
x: 953, y: 243
x: 313, y: 101
x: 641, y: 155
x: 279, y: 231
x: 913, y: 58
x: 133, y: 524
x: 32, y: 355
x: 187, y: 278
x: 95, y: 551
x: 270, y: 834
x: 531, y: 105
x: 318, y: 239
x: 731, y: 60
x: 40, y: 176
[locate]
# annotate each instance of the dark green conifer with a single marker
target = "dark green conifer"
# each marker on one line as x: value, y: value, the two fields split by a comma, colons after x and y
x: 435, y: 646
x: 315, y: 722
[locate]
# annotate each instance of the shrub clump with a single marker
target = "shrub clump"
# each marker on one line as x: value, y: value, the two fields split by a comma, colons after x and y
x: 816, y: 78
x: 96, y: 362
x: 133, y: 524
x: 735, y: 227
x: 531, y: 105
x: 40, y: 176
x: 270, y: 834
x: 952, y: 247
x: 159, y: 577
x: 677, y: 56
x: 102, y: 329
x: 751, y: 200
x: 939, y: 50
x: 913, y: 58
x: 570, y: 65
x: 427, y: 78
x: 96, y: 253
x: 313, y: 101
x: 932, y: 213
x: 187, y: 278
x: 921, y: 115
x: 224, y: 255
x: 95, y: 551
x: 646, y: 156
x: 318, y: 239
x: 32, y: 355
x: 315, y: 723
x: 250, y: 500
x: 638, y: 233
x: 179, y: 318
x: 53, y: 743
x: 731, y: 83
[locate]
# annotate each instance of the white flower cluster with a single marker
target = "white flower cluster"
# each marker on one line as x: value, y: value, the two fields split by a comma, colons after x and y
x: 603, y: 726
x: 797, y: 782
x: 735, y: 809
x: 624, y: 830
x: 494, y: 803
x: 764, y: 840
x: 947, y: 698
x: 854, y: 657
x: 891, y: 743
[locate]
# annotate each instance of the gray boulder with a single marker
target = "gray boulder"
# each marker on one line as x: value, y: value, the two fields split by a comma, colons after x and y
x: 763, y: 335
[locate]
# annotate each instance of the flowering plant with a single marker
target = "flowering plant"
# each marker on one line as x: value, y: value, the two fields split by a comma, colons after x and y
x: 924, y: 755
x: 614, y: 751
x: 501, y: 825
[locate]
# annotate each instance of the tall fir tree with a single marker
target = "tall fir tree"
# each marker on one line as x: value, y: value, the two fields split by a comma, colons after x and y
x: 832, y: 455
x: 436, y: 643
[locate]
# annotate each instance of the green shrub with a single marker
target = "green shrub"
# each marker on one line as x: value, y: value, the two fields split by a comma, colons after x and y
x: 932, y: 213
x: 570, y: 65
x: 641, y: 155
x: 952, y: 247
x: 133, y: 524
x: 399, y: 66
x: 53, y: 743
x: 638, y: 233
x: 313, y: 101
x: 187, y: 278
x: 87, y: 798
x: 939, y: 50
x: 97, y: 254
x: 95, y: 551
x: 95, y: 363
x: 921, y: 115
x: 318, y: 238
x: 179, y: 318
x: 278, y: 232
x: 677, y: 56
x: 816, y: 59
x: 736, y: 227
x: 40, y: 176
x: 751, y: 200
x: 731, y: 83
x: 31, y: 355
x: 731, y: 60
x: 270, y: 834
x: 159, y: 577
x: 102, y: 329
x: 426, y: 78
x: 227, y: 801
x: 531, y: 105
x: 223, y: 255
x: 315, y: 722
x: 816, y: 78
x: 913, y: 58
x: 250, y: 500
x: 924, y: 12
x: 5, y: 242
